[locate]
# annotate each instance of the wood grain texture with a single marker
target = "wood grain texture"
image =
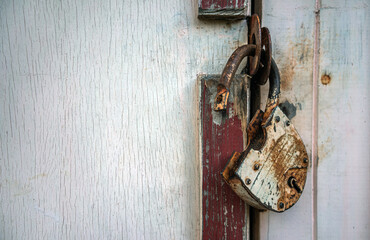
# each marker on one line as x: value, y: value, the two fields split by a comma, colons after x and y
x: 223, y: 9
x: 223, y: 212
x: 344, y: 129
x: 291, y: 24
x: 343, y: 137
x: 98, y: 117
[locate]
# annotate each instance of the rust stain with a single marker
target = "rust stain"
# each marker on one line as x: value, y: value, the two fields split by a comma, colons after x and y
x: 285, y: 166
x: 38, y: 176
x: 237, y: 96
x: 295, y: 59
x: 289, y: 194
x: 298, y: 171
x: 228, y: 171
x: 256, y: 135
x: 287, y: 75
x: 325, y: 79
x: 325, y: 149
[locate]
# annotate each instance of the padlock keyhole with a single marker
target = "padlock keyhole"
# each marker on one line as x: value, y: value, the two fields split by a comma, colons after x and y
x: 292, y: 182
x: 219, y: 99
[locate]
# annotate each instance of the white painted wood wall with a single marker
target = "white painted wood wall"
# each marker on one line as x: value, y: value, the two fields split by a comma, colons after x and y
x: 98, y: 116
x: 338, y: 207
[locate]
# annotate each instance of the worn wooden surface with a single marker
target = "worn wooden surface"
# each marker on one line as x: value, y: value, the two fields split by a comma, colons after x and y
x: 98, y: 117
x: 343, y: 192
x: 343, y: 110
x: 224, y: 9
x: 291, y: 24
x: 223, y: 212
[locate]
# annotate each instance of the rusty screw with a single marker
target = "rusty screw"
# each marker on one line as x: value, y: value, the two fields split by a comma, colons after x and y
x: 287, y: 123
x: 305, y: 160
x: 248, y: 181
x: 277, y: 119
x: 256, y: 166
x: 281, y: 205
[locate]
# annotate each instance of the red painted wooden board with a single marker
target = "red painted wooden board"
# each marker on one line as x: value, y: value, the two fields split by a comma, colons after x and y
x: 223, y: 212
x: 223, y: 9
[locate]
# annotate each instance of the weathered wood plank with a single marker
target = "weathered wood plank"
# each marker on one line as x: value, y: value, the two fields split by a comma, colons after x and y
x: 98, y: 117
x: 344, y: 129
x: 291, y: 24
x: 223, y: 212
x: 223, y: 9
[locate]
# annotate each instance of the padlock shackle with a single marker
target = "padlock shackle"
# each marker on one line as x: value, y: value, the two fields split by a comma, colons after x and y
x: 233, y: 64
x: 274, y: 92
x: 274, y: 80
x: 228, y: 74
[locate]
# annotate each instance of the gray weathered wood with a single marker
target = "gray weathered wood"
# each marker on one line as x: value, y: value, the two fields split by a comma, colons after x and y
x: 343, y: 191
x: 291, y: 24
x: 98, y: 117
x: 343, y: 110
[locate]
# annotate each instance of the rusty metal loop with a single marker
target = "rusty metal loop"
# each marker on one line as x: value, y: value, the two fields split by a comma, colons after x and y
x: 274, y: 92
x: 263, y: 72
x: 228, y: 73
x: 255, y: 39
x: 233, y: 63
x: 257, y: 127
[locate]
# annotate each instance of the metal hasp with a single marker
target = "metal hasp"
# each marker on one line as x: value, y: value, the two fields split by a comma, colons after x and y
x: 259, y: 55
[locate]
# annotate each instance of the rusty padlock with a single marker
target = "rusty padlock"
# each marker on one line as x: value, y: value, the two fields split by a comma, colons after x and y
x: 270, y: 173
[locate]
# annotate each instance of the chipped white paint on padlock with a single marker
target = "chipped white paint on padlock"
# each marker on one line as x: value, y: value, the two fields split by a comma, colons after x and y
x: 264, y: 177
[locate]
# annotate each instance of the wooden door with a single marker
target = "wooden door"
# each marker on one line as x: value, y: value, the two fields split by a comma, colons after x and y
x: 99, y: 119
x: 321, y: 49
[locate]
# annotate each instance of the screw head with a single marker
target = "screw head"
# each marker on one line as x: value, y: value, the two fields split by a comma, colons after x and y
x: 256, y: 166
x: 287, y: 123
x: 281, y: 205
x: 277, y: 119
x: 248, y: 181
x: 305, y: 160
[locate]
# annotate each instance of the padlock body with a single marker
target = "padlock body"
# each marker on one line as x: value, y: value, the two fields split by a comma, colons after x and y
x: 271, y: 176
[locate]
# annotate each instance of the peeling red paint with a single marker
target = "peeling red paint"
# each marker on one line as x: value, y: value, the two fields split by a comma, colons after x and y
x: 223, y: 9
x: 221, y: 4
x: 223, y: 211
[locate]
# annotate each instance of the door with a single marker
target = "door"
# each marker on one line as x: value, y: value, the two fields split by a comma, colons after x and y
x: 100, y: 125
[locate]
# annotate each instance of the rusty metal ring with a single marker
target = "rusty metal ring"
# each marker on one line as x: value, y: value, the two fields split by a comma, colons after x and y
x: 255, y: 39
x: 266, y: 55
x: 273, y: 95
x: 228, y: 73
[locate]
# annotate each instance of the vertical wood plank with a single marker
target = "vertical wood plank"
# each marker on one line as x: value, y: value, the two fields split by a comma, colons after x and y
x: 98, y: 117
x: 344, y: 129
x: 223, y: 212
x: 291, y: 24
